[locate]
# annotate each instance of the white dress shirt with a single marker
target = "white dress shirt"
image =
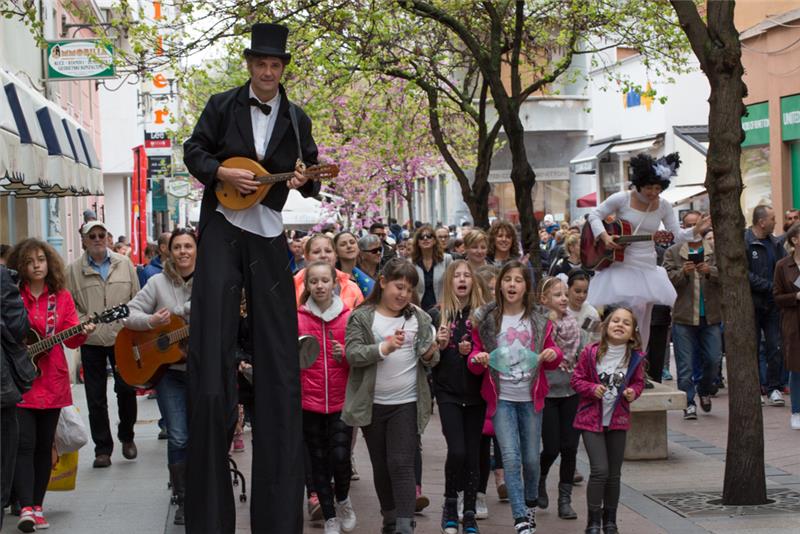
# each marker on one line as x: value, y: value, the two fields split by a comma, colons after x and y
x: 258, y: 219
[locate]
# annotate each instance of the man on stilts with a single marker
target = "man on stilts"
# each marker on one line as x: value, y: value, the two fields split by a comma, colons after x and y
x: 247, y: 249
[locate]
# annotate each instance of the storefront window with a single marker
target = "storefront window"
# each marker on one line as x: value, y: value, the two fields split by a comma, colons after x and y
x: 756, y: 178
x: 550, y: 196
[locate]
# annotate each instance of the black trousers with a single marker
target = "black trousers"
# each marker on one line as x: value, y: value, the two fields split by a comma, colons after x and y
x: 9, y: 438
x: 462, y: 426
x: 37, y: 430
x: 230, y: 259
x: 328, y: 441
x: 606, y: 450
x: 95, y: 359
x: 559, y: 437
x: 391, y: 440
x: 657, y: 351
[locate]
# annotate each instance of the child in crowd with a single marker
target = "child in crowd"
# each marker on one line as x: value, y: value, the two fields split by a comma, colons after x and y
x: 323, y: 315
x: 458, y: 394
x: 515, y: 397
x: 584, y: 313
x: 558, y: 434
x: 388, y: 341
x: 608, y: 377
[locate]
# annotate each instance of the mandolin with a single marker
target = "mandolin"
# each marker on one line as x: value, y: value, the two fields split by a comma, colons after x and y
x: 38, y: 346
x: 231, y: 198
x: 594, y: 253
x: 142, y: 356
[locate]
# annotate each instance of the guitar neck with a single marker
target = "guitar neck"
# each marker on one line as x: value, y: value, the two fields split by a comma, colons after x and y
x: 275, y: 178
x: 50, y: 342
x: 179, y: 334
x: 634, y: 238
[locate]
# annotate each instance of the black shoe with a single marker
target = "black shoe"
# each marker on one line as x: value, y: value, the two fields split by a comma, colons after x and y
x: 577, y: 479
x: 705, y: 403
x: 610, y: 521
x: 450, y: 516
x: 470, y: 525
x: 594, y: 522
x: 162, y: 434
x: 544, y: 500
x: 102, y: 460
x: 565, y: 510
x: 129, y: 450
x: 177, y: 477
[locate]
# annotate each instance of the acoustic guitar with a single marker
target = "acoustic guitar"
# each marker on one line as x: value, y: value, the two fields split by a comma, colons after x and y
x: 144, y: 356
x: 39, y: 346
x: 596, y: 256
x: 231, y: 198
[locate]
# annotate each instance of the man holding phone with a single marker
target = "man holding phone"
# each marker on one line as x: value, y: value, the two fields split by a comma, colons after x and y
x: 696, y: 316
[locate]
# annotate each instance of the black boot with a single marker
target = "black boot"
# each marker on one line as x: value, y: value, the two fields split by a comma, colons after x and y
x: 610, y: 521
x: 565, y: 510
x: 594, y: 522
x: 543, y: 501
x: 450, y: 516
x: 177, y: 475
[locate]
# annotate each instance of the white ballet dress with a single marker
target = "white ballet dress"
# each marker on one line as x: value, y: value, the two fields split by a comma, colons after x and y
x: 637, y: 279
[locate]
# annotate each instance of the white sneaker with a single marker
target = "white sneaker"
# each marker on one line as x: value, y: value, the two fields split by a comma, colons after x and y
x: 481, y: 510
x: 795, y: 424
x: 776, y: 398
x: 763, y: 400
x: 460, y: 506
x: 346, y: 515
x: 332, y: 526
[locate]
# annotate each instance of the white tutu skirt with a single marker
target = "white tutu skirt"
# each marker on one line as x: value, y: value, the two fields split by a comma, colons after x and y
x: 636, y: 280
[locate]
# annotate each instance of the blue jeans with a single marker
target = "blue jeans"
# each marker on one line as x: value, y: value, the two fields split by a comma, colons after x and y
x: 686, y: 340
x: 794, y: 390
x: 519, y: 431
x: 172, y: 403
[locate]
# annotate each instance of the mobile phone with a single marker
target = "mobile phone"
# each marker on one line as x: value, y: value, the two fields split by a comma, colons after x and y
x: 696, y: 257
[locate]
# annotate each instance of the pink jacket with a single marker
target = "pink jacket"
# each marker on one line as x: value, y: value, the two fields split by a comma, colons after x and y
x: 490, y: 389
x: 323, y: 384
x: 585, y: 380
x: 51, y: 389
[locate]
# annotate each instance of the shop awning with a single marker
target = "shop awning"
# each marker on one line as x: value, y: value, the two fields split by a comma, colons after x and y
x: 586, y: 161
x: 678, y: 195
x: 43, y: 152
x: 638, y: 145
x: 587, y: 201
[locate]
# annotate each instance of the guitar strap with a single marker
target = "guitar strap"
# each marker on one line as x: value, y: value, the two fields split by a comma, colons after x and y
x: 293, y: 119
x: 51, y: 318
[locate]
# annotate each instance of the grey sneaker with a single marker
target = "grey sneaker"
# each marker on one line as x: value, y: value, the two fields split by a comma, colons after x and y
x: 346, y: 515
x: 690, y: 413
x: 776, y: 398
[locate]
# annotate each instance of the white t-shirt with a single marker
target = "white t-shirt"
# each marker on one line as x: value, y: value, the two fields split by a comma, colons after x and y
x: 612, y: 370
x: 587, y: 311
x: 396, y: 380
x: 258, y: 219
x: 515, y: 333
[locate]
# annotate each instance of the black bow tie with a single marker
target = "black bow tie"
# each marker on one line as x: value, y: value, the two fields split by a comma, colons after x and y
x: 265, y: 108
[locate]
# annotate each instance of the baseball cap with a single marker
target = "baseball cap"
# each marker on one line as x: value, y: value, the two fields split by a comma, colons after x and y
x: 92, y: 224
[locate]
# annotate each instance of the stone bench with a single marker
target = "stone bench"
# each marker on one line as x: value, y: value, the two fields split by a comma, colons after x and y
x: 647, y: 437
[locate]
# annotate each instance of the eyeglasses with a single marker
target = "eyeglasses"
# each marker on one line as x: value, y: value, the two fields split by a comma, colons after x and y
x: 425, y: 237
x: 96, y: 236
x: 373, y: 251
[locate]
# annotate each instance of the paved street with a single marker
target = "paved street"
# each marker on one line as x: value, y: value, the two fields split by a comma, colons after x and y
x: 132, y: 497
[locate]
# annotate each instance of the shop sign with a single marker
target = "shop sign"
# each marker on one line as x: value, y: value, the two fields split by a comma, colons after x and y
x: 179, y: 188
x: 79, y: 59
x: 157, y: 140
x: 790, y: 118
x: 756, y: 125
x: 158, y: 166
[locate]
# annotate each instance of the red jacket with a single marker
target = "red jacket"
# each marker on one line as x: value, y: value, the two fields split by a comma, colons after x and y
x: 51, y: 389
x: 585, y: 380
x: 323, y: 384
x: 490, y: 387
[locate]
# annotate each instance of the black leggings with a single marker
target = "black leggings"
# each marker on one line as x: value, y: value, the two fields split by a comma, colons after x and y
x: 488, y: 443
x: 328, y: 441
x: 559, y: 437
x: 37, y: 430
x: 391, y: 441
x: 606, y: 451
x: 462, y: 426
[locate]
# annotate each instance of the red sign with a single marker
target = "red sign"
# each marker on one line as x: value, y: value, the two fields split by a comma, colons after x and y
x: 157, y: 140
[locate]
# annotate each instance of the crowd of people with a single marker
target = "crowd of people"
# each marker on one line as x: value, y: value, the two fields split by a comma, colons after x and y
x: 408, y: 323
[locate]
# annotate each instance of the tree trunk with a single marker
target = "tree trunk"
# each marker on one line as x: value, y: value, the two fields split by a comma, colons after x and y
x: 717, y: 46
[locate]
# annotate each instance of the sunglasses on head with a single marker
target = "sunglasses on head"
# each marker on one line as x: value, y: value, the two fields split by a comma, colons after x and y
x: 97, y: 236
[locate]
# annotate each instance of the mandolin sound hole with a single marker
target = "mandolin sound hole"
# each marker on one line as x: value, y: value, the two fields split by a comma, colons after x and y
x: 162, y: 342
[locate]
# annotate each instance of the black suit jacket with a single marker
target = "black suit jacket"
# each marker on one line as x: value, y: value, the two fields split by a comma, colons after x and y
x: 225, y: 130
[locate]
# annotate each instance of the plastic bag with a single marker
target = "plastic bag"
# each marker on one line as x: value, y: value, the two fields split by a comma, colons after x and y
x: 71, y: 433
x: 65, y: 473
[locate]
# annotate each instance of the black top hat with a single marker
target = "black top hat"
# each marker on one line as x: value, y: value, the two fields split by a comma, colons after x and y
x: 268, y: 40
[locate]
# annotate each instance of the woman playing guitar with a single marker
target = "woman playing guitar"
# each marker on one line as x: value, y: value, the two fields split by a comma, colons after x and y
x: 638, y: 280
x: 165, y: 294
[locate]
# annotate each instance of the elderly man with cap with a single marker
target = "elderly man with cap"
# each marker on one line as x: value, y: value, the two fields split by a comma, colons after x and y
x: 246, y: 249
x: 98, y: 280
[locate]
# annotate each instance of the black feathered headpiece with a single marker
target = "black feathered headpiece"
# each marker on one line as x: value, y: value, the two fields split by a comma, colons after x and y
x: 646, y: 170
